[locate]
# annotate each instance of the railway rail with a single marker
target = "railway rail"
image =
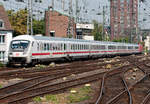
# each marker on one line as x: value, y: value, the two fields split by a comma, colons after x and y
x: 109, y: 89
x: 54, y: 86
x: 130, y: 94
x: 114, y: 87
x: 46, y: 71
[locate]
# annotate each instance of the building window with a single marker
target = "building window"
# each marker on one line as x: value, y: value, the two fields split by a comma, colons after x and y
x: 1, y: 24
x: 52, y: 33
x: 2, y: 54
x: 2, y: 38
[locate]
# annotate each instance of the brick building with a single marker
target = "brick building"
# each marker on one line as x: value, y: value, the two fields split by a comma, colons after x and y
x: 56, y: 24
x: 124, y: 18
x: 5, y: 34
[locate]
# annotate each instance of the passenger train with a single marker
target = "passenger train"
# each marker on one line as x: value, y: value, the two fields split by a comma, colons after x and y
x: 27, y: 49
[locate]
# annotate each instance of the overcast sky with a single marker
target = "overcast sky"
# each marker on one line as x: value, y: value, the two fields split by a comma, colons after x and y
x: 89, y: 9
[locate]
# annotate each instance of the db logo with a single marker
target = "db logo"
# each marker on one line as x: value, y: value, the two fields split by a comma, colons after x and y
x: 17, y: 54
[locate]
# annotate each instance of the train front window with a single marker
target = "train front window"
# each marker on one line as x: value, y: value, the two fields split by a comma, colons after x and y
x: 19, y: 45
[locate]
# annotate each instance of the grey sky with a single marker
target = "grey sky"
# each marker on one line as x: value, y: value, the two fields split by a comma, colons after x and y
x: 89, y: 8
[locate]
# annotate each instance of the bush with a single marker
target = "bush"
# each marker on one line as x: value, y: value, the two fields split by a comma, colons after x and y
x: 81, y: 95
x: 37, y: 99
x: 1, y: 64
x: 52, y: 98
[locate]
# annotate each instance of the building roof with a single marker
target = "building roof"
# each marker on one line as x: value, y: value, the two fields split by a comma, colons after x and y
x: 4, y: 19
x: 45, y: 38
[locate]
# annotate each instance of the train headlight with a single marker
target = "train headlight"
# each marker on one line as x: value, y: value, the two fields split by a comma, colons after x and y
x: 10, y: 53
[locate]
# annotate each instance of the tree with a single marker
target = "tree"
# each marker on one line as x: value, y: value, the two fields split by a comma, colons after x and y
x: 125, y: 40
x: 97, y: 32
x: 39, y: 26
x: 18, y: 21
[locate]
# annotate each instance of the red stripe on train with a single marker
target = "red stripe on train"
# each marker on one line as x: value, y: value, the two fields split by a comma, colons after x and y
x: 60, y: 53
x: 39, y: 54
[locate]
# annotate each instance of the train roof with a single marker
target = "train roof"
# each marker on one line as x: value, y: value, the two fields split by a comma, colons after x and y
x: 29, y: 37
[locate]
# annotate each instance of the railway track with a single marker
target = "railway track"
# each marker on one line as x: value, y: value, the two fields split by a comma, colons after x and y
x: 116, y: 93
x: 46, y: 71
x: 52, y: 81
x: 112, y: 85
x: 123, y: 97
x: 37, y: 80
x: 137, y: 93
x: 54, y: 86
x: 141, y: 90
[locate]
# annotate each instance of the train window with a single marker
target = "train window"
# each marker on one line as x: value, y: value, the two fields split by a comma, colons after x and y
x: 92, y: 47
x: 136, y: 47
x: 87, y: 47
x: 56, y: 47
x: 76, y: 46
x: 32, y: 44
x: 122, y: 47
x: 45, y: 47
x: 71, y: 47
x: 83, y: 47
x: 130, y: 47
x: 53, y: 45
x: 119, y: 47
x: 102, y: 47
x: 48, y: 46
x: 41, y: 46
x: 38, y: 48
x: 111, y: 47
x: 61, y: 46
x: 65, y: 46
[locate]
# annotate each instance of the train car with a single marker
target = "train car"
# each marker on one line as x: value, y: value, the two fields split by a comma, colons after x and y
x: 26, y: 49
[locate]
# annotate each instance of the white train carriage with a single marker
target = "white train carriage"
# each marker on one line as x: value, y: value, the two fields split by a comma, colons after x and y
x: 27, y: 49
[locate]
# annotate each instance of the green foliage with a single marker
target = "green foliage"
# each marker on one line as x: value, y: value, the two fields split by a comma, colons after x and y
x: 97, y: 32
x: 1, y: 86
x: 37, y: 99
x: 52, y: 98
x: 39, y: 26
x: 1, y: 64
x: 18, y: 21
x: 81, y: 95
x: 39, y: 66
x: 125, y: 40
